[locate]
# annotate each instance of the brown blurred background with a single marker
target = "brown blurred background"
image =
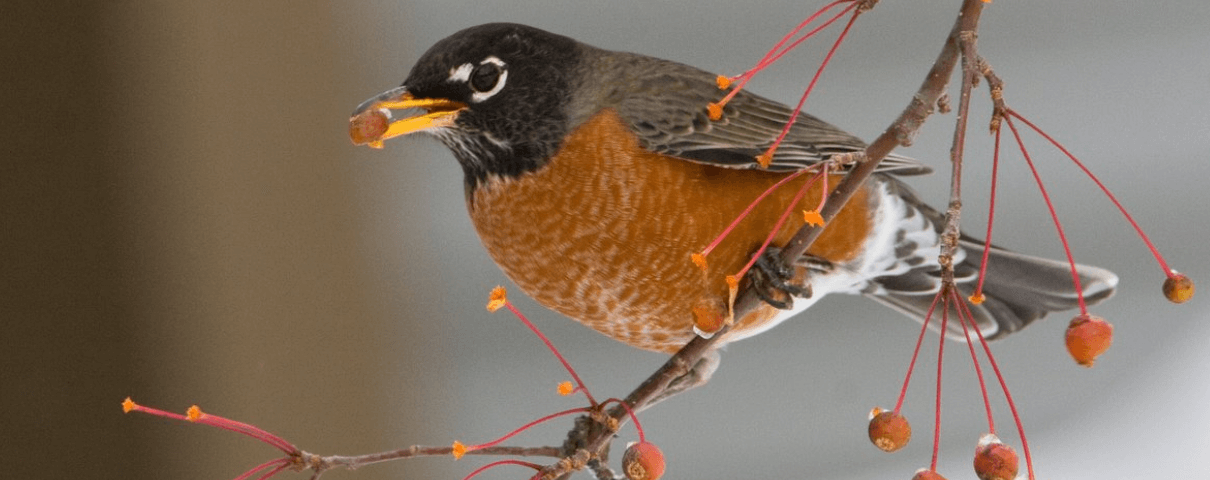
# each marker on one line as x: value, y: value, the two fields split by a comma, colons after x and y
x: 184, y: 221
x: 181, y: 225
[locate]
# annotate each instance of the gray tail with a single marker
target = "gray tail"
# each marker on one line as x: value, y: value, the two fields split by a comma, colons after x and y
x: 1019, y: 290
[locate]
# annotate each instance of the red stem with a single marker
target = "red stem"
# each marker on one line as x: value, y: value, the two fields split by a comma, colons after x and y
x: 633, y: 418
x: 1012, y: 406
x: 526, y: 427
x: 751, y: 206
x: 770, y: 57
x: 553, y: 350
x: 1154, y: 251
x: 248, y: 430
x: 1075, y: 276
x: 970, y: 345
x: 780, y: 222
x: 991, y: 215
x: 915, y: 353
x: 945, y: 309
x: 284, y: 462
x: 158, y: 413
x: 275, y: 471
x: 823, y: 197
x: 502, y: 462
x: 815, y: 78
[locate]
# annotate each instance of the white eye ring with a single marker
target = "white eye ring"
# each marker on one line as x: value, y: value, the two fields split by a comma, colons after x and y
x: 500, y: 81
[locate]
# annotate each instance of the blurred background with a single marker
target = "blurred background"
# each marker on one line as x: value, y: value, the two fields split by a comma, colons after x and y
x: 185, y: 221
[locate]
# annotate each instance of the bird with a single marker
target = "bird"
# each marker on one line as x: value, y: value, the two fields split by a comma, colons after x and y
x: 592, y: 176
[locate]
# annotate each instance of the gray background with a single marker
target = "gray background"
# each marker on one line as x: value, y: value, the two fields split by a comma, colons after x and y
x: 186, y: 222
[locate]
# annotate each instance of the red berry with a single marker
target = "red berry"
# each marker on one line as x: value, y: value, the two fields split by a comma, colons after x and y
x: 994, y: 460
x: 1178, y: 288
x: 889, y: 431
x: 368, y: 127
x: 1088, y: 336
x: 924, y: 474
x: 643, y: 461
x: 707, y: 321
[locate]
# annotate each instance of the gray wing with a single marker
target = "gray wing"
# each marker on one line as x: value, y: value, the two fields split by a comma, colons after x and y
x: 665, y: 105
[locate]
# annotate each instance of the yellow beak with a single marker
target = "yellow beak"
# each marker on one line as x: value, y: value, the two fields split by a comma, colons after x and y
x: 371, y: 123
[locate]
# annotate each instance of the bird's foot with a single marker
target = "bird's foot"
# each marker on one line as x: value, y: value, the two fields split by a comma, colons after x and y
x: 774, y: 281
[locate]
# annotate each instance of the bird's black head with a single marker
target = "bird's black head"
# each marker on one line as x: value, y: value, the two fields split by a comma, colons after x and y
x: 494, y: 94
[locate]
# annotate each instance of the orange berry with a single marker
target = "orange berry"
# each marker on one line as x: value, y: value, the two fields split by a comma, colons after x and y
x: 994, y: 460
x: 924, y: 474
x: 1178, y: 288
x: 889, y: 431
x: 707, y: 321
x: 1088, y: 336
x: 368, y: 127
x: 643, y: 461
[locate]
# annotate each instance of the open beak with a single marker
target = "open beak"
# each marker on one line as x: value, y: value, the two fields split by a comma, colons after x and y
x: 372, y: 123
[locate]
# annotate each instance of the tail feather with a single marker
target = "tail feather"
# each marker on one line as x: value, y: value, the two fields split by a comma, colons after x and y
x: 1019, y: 290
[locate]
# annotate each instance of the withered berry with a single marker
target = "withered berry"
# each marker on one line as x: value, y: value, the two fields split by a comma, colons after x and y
x: 643, y: 461
x: 994, y: 460
x: 889, y: 431
x: 924, y: 474
x: 1178, y: 288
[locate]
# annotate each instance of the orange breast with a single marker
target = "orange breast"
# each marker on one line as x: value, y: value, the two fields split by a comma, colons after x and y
x: 604, y: 232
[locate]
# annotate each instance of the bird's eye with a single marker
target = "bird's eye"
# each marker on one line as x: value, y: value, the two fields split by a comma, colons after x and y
x: 485, y: 76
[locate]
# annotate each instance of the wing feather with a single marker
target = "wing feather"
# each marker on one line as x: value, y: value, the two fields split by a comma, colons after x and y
x: 664, y: 103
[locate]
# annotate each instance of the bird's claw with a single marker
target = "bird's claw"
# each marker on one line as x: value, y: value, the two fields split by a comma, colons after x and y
x: 774, y: 282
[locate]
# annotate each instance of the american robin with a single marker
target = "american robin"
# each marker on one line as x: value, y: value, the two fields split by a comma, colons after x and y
x: 591, y: 177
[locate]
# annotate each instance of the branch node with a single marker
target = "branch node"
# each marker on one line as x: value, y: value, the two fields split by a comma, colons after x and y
x: 849, y: 158
x: 577, y: 461
x: 866, y: 5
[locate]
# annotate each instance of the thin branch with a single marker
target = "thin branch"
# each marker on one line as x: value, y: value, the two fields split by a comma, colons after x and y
x: 352, y: 462
x: 995, y: 90
x: 601, y: 470
x: 953, y: 213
